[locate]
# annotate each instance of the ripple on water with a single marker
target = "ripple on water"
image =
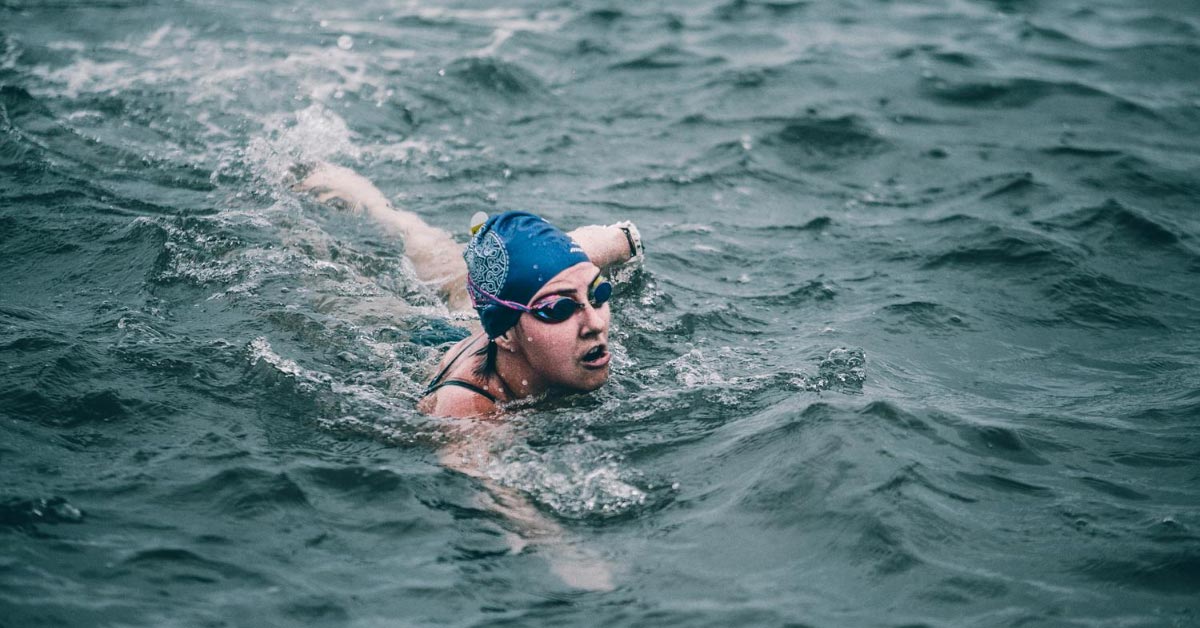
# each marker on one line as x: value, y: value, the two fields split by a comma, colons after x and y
x: 243, y: 493
x: 727, y: 319
x: 1100, y: 301
x: 996, y: 247
x: 164, y: 565
x: 965, y: 589
x: 1114, y: 224
x: 497, y: 77
x: 817, y: 144
x: 997, y: 485
x: 772, y: 10
x: 1018, y: 93
x: 1113, y: 489
x: 361, y: 481
x: 809, y: 293
x: 1000, y: 442
x: 884, y: 547
x: 65, y: 381
x: 667, y: 57
x: 1174, y: 572
x: 925, y: 316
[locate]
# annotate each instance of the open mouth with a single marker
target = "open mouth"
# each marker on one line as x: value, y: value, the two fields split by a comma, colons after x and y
x: 596, y: 357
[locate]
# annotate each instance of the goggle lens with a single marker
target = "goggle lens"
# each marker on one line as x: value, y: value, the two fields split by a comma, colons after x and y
x: 563, y: 308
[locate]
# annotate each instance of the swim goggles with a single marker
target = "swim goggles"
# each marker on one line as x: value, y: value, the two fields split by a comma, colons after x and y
x: 555, y: 309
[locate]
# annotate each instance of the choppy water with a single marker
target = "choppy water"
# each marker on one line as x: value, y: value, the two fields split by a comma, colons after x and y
x: 917, y: 342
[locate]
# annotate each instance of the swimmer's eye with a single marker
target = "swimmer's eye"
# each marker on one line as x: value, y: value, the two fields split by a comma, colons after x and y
x: 599, y: 292
x: 559, y: 309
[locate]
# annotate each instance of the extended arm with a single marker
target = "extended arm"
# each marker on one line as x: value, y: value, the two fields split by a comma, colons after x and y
x: 435, y: 256
x: 576, y: 565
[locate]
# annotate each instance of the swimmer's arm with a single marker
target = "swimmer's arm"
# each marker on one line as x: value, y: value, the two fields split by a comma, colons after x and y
x: 435, y: 256
x: 606, y: 246
x: 576, y: 566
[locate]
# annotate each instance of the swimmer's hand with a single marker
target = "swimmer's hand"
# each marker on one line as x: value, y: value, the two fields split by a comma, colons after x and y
x: 343, y: 188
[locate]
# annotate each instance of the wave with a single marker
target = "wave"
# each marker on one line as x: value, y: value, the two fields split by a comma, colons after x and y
x: 1113, y: 223
x: 817, y: 144
x: 743, y: 10
x: 924, y: 316
x: 242, y: 493
x: 667, y: 57
x: 1098, y: 300
x: 20, y: 116
x: 68, y: 386
x: 1174, y: 572
x: 1019, y: 93
x: 1002, y: 248
x: 745, y: 78
x: 807, y: 293
x: 174, y: 564
x: 1011, y: 189
x: 497, y: 77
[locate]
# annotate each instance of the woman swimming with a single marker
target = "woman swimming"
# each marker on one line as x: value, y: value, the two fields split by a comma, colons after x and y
x: 543, y: 327
x: 540, y: 294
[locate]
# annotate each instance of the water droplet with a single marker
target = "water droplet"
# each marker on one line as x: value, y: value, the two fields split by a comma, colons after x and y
x: 345, y: 42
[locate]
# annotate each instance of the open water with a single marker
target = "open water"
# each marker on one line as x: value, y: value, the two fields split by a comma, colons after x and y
x: 917, y: 343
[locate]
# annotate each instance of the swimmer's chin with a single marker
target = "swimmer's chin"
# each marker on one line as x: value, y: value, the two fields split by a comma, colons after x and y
x: 598, y: 378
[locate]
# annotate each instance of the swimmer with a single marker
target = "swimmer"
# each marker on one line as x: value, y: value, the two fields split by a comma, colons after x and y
x: 543, y: 306
x: 540, y: 293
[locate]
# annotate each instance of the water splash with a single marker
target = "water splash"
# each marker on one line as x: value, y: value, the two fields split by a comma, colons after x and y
x: 575, y: 481
x: 843, y: 370
x: 309, y: 135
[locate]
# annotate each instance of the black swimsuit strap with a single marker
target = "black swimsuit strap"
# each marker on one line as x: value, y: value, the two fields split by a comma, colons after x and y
x: 437, y: 382
x: 461, y: 384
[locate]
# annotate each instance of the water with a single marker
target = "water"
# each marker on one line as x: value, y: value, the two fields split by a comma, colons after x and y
x: 916, y: 343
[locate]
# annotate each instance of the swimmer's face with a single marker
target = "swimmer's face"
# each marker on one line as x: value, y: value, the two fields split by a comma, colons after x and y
x: 572, y: 354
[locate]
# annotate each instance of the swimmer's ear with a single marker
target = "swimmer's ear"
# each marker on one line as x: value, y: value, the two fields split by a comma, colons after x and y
x: 504, y: 342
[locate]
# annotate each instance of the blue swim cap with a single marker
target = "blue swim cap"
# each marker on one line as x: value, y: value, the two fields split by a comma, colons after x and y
x: 511, y: 257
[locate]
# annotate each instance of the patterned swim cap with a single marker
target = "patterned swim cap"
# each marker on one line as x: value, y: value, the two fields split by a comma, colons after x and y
x: 511, y: 257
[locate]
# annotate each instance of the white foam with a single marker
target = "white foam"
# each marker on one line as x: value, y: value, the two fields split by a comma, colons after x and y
x: 261, y: 351
x: 157, y: 36
x: 11, y: 52
x: 508, y: 19
x: 574, y: 480
x: 309, y: 135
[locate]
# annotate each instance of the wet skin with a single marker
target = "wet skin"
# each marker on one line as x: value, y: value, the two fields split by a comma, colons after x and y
x: 535, y: 356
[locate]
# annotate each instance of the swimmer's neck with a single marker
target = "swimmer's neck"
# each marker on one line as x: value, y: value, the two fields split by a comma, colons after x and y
x: 517, y: 375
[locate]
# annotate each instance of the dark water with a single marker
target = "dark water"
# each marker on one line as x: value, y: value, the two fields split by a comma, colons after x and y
x: 917, y: 343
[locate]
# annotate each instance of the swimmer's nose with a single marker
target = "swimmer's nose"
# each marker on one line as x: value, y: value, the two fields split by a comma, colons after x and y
x: 593, y: 321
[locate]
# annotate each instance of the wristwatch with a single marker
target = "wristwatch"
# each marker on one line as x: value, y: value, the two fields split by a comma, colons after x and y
x: 636, y: 250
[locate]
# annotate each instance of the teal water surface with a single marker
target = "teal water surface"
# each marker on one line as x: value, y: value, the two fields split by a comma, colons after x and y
x: 916, y: 343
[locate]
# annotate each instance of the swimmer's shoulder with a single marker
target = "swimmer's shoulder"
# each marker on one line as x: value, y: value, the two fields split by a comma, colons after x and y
x: 457, y: 402
x: 458, y: 364
x: 461, y: 352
